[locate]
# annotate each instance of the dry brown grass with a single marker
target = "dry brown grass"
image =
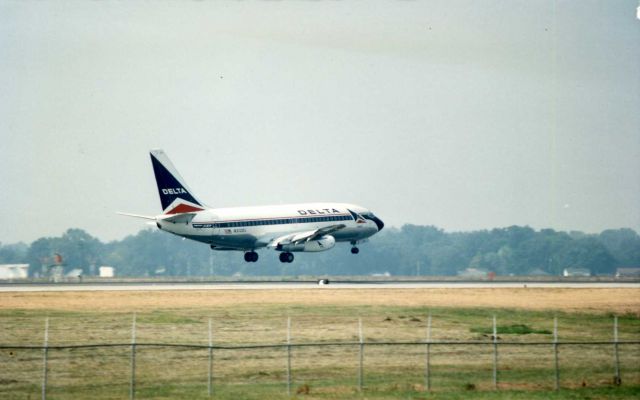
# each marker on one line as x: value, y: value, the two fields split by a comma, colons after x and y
x: 244, y: 317
x: 614, y: 300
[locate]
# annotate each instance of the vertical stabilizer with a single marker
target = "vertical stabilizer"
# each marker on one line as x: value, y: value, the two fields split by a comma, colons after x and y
x: 175, y: 195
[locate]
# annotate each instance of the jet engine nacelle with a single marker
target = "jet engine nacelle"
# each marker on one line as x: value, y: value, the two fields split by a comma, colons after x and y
x: 326, y: 242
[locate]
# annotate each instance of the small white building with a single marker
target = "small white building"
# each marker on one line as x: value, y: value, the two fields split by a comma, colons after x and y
x: 473, y: 273
x: 74, y: 274
x: 628, y: 272
x: 538, y: 272
x: 14, y: 271
x: 576, y: 272
x: 107, y: 272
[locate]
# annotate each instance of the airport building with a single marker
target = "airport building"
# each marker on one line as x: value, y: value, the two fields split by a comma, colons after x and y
x: 14, y: 271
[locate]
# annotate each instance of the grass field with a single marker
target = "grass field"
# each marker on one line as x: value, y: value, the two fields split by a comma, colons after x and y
x: 322, y: 315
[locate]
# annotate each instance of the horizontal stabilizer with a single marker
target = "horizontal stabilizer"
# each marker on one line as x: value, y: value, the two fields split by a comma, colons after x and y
x: 136, y: 215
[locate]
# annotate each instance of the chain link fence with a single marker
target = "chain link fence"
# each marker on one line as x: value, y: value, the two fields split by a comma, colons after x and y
x: 145, y: 368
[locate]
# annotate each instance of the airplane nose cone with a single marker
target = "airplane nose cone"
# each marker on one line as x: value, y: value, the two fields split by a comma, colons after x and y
x: 379, y: 223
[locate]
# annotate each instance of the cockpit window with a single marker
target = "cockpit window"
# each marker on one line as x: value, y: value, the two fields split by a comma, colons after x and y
x: 368, y: 215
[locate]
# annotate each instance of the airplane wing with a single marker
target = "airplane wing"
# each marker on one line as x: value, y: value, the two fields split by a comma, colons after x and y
x: 296, y: 238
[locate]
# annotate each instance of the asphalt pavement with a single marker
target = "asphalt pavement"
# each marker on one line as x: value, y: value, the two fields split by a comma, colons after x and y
x: 337, y: 284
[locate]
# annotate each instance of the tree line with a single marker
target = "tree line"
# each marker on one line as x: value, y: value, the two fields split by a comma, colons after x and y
x: 409, y: 250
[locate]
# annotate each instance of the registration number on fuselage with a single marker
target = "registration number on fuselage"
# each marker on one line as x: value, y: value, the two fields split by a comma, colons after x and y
x: 236, y: 230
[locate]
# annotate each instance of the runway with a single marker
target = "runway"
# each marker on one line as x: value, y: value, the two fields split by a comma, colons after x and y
x: 309, y: 285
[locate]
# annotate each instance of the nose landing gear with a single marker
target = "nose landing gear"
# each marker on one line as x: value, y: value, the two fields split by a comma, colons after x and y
x: 355, y: 250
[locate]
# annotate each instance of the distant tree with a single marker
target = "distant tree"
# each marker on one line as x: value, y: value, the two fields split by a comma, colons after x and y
x: 405, y: 251
x: 40, y: 255
x: 13, y: 253
x: 624, y: 246
x: 80, y: 250
x: 587, y: 252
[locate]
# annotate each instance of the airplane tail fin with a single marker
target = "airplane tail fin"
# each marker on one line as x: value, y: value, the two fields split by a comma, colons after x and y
x: 175, y: 195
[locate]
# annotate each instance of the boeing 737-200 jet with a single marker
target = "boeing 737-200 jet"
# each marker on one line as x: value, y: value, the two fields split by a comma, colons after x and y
x: 287, y: 228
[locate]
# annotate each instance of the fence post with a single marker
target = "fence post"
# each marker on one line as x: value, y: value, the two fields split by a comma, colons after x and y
x: 555, y: 352
x: 132, y: 385
x: 427, y: 372
x: 617, y: 378
x: 210, y: 381
x: 289, y: 356
x: 495, y: 354
x: 360, y: 368
x: 45, y: 358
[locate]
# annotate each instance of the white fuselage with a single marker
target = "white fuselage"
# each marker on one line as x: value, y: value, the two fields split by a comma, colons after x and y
x: 250, y: 228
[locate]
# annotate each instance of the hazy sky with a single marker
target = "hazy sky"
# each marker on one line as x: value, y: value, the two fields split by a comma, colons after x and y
x: 460, y: 114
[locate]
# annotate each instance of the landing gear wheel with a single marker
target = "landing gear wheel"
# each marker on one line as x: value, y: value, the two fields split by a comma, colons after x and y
x: 323, y: 281
x: 355, y: 250
x: 289, y: 257
x: 286, y: 257
x: 251, y: 256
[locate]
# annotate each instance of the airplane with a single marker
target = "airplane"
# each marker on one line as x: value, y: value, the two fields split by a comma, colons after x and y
x: 290, y: 228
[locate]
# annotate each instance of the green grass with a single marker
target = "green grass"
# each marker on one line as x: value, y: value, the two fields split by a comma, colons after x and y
x: 515, y: 329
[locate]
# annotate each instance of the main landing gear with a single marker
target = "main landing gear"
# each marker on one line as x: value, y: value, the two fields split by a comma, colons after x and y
x: 286, y: 257
x: 354, y: 249
x: 251, y: 256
